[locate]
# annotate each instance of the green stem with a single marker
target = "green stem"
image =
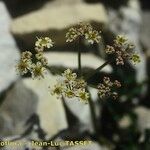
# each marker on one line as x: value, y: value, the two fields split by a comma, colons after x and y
x: 98, y: 69
x: 79, y: 63
x: 79, y: 60
x: 93, y: 116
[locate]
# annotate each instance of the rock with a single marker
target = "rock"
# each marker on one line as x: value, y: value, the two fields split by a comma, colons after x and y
x: 68, y: 59
x: 8, y: 51
x: 54, y: 20
x: 146, y: 29
x: 27, y: 97
x: 49, y: 108
x: 110, y: 3
x: 145, y: 4
x: 143, y: 115
x: 19, y: 104
x: 82, y: 112
x: 47, y: 17
x: 21, y: 7
x: 127, y: 21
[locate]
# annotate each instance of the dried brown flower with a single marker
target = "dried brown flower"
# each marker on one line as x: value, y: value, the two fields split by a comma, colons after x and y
x: 123, y: 50
x: 106, y: 89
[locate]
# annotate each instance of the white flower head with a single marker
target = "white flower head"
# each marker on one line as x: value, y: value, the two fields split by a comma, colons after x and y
x: 44, y: 42
x: 38, y: 71
x: 69, y: 75
x: 123, y: 50
x: 26, y: 55
x: 39, y: 55
x: 23, y: 66
x: 84, y: 30
x: 70, y: 86
x: 135, y: 58
x: 83, y: 95
x: 92, y: 36
x: 57, y: 89
x: 72, y: 34
x: 106, y: 89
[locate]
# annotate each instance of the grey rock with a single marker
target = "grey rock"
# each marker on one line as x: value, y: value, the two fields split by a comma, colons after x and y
x: 54, y: 19
x: 127, y: 21
x: 47, y: 17
x: 49, y: 108
x: 27, y: 97
x: 146, y: 29
x: 69, y: 60
x: 21, y: 7
x: 19, y: 104
x: 143, y: 118
x: 110, y: 3
x: 8, y: 51
x: 82, y: 111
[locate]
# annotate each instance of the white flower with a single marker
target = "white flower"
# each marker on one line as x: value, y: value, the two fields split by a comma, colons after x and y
x: 120, y: 40
x: 39, y: 49
x: 23, y: 66
x: 38, y: 70
x: 44, y: 42
x: 92, y: 36
x: 26, y: 55
x: 44, y: 61
x: 72, y: 34
x: 83, y: 95
x: 70, y: 86
x: 135, y: 58
x: 57, y: 89
x: 39, y: 55
x: 109, y: 49
x: 69, y: 93
x: 106, y: 89
x: 83, y: 30
x: 37, y: 66
x: 123, y: 50
x: 69, y: 75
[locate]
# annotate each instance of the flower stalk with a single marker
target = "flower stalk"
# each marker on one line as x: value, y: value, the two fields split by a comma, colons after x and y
x: 98, y: 69
x: 79, y: 59
x: 93, y: 116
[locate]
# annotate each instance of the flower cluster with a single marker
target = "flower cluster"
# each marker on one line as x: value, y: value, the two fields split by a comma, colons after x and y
x: 24, y: 65
x: 44, y: 42
x: 70, y: 86
x: 84, y: 30
x: 37, y: 68
x: 106, y: 89
x: 123, y: 49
